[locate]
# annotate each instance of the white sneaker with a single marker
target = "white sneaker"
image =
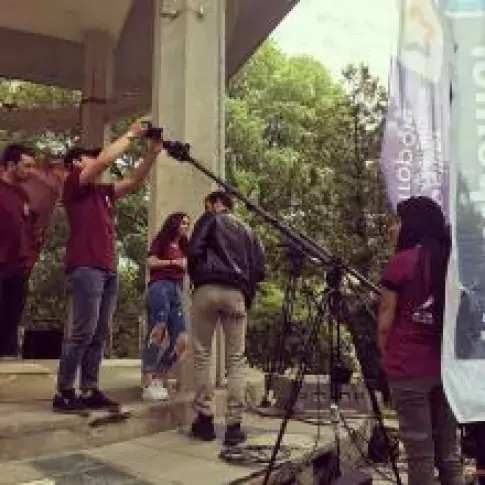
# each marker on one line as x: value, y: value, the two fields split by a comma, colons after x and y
x: 155, y: 392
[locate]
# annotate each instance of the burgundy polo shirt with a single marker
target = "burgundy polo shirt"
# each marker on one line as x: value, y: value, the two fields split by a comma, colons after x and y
x: 167, y: 273
x: 90, y: 211
x: 15, y: 229
x: 414, y: 345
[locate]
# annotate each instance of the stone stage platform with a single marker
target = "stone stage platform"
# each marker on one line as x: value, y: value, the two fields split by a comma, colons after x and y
x: 39, y: 447
x: 29, y: 428
x: 172, y: 457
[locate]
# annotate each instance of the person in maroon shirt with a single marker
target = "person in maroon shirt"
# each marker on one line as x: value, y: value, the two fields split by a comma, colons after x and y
x: 16, y: 220
x: 410, y: 333
x: 90, y: 262
x: 43, y: 189
x: 167, y: 331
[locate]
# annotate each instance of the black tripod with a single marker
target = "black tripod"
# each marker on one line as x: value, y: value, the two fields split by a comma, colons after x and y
x: 277, y: 365
x: 332, y: 310
x: 327, y: 307
x: 332, y: 304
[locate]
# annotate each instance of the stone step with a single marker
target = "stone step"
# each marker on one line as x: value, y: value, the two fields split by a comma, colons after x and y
x: 29, y: 430
x: 35, y: 380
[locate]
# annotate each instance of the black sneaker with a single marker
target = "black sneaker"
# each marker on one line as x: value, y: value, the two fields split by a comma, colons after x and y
x: 234, y: 435
x: 68, y: 403
x: 95, y: 399
x: 203, y: 428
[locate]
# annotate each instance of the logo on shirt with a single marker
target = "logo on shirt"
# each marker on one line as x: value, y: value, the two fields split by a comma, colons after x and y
x: 424, y: 313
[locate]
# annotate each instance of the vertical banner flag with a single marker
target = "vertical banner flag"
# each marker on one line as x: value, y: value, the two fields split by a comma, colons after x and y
x: 464, y: 333
x: 415, y: 150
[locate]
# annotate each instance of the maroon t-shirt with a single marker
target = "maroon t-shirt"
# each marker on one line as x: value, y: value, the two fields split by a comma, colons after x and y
x: 15, y: 229
x: 90, y: 211
x: 167, y: 273
x: 414, y: 345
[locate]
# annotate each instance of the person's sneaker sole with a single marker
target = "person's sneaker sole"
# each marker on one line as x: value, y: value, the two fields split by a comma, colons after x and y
x: 77, y: 412
x: 111, y: 409
x: 203, y: 438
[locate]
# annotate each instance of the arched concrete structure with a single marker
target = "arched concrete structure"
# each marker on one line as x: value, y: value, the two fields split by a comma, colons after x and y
x: 45, y: 42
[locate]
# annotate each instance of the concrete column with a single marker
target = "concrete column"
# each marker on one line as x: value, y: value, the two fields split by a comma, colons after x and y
x: 97, y: 87
x: 188, y: 100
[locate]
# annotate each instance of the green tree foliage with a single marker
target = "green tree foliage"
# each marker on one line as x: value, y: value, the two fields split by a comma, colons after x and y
x: 306, y: 148
x: 318, y: 168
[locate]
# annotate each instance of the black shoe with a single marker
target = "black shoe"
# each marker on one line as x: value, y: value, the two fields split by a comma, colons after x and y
x: 95, y: 399
x: 234, y: 435
x: 68, y: 403
x: 203, y: 428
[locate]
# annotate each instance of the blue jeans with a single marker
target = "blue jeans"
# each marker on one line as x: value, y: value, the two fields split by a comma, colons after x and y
x: 94, y: 294
x: 164, y: 302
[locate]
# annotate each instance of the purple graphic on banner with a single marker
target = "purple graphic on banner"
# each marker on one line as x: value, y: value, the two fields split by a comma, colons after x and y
x: 415, y: 150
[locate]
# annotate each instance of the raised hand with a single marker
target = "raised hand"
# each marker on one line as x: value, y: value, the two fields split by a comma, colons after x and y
x: 138, y: 127
x: 155, y: 146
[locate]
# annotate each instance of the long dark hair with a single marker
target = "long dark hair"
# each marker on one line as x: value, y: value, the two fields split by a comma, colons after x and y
x: 423, y: 223
x: 170, y: 231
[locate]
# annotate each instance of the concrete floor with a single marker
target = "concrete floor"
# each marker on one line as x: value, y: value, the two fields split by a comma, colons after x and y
x: 170, y: 457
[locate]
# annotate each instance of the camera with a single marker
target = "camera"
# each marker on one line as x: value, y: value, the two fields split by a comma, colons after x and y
x: 152, y: 132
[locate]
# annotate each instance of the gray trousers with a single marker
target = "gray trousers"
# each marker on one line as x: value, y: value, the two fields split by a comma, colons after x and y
x: 429, y: 432
x: 94, y: 294
x: 213, y: 304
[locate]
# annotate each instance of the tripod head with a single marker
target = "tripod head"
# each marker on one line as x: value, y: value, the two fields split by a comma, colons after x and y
x: 335, y: 273
x: 341, y: 374
x: 294, y: 255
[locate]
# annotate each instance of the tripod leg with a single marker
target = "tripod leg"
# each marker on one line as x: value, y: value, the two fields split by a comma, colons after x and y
x: 295, y: 392
x: 308, y: 349
x: 376, y: 410
x: 276, y: 366
x: 335, y: 419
